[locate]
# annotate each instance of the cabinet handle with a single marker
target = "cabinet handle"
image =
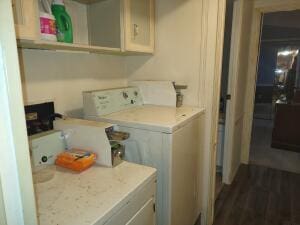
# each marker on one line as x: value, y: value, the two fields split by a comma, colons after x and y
x: 154, y: 207
x: 135, y: 30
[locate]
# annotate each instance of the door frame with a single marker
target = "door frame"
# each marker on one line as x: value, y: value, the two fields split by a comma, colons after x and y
x: 211, y: 55
x: 17, y: 195
x: 260, y: 7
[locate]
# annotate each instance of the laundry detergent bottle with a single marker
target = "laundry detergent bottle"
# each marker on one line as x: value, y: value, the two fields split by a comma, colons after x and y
x: 64, y: 30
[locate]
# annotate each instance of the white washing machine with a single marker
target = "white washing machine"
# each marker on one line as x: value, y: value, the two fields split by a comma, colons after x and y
x: 163, y: 137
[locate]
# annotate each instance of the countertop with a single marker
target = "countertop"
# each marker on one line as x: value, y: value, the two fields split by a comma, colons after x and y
x: 90, y: 197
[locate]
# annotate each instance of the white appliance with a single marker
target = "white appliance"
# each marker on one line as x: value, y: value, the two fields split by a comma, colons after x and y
x: 164, y: 137
x: 99, y: 196
x: 87, y: 135
x: 44, y: 147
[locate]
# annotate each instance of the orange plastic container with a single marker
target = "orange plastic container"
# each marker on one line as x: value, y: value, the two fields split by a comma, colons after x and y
x: 76, y: 159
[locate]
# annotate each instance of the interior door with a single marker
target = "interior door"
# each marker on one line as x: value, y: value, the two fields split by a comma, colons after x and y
x: 239, y: 52
x: 17, y: 200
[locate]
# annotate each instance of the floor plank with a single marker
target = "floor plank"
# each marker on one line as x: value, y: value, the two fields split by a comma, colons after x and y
x: 260, y: 196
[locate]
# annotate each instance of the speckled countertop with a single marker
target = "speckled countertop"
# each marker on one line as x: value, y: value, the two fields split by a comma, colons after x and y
x: 90, y: 197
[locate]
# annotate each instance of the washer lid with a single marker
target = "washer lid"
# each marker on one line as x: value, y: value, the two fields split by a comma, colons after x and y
x: 155, y: 118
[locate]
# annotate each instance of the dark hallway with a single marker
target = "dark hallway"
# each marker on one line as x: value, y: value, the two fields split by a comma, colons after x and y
x: 267, y: 191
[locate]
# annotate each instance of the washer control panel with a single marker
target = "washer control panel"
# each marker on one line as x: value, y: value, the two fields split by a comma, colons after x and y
x: 114, y: 100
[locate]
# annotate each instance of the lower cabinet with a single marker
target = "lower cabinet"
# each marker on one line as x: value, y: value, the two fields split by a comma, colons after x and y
x: 144, y: 216
x: 139, y: 210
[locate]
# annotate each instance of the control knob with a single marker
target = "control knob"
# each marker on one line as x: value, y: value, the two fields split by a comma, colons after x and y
x: 125, y: 95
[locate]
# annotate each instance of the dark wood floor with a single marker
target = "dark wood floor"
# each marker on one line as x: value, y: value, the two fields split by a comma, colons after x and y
x: 260, y: 196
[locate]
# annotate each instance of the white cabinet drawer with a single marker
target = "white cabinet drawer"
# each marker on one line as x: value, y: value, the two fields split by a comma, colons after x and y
x: 139, y: 202
x: 145, y: 216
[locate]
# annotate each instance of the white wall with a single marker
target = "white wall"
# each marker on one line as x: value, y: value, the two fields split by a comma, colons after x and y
x: 61, y: 77
x: 177, y: 53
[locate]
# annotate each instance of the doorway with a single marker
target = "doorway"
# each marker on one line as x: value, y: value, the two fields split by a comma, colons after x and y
x: 244, y: 55
x: 242, y: 70
x: 275, y: 140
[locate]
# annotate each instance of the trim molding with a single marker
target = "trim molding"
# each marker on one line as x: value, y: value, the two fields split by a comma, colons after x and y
x: 213, y: 22
x: 15, y: 168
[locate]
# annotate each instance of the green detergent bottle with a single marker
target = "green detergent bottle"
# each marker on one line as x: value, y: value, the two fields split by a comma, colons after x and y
x: 63, y: 22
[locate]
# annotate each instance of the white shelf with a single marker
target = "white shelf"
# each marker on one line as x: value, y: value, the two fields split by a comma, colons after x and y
x: 48, y: 45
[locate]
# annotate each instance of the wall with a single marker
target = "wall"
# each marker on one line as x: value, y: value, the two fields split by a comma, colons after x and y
x: 62, y: 76
x: 177, y: 54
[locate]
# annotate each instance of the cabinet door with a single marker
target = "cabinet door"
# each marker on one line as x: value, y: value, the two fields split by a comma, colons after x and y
x: 145, y: 216
x: 139, y: 25
x: 26, y: 18
x: 141, y: 203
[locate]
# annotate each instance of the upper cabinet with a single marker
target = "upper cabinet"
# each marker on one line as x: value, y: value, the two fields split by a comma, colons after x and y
x: 25, y: 15
x: 109, y: 26
x: 139, y: 25
x: 128, y: 24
